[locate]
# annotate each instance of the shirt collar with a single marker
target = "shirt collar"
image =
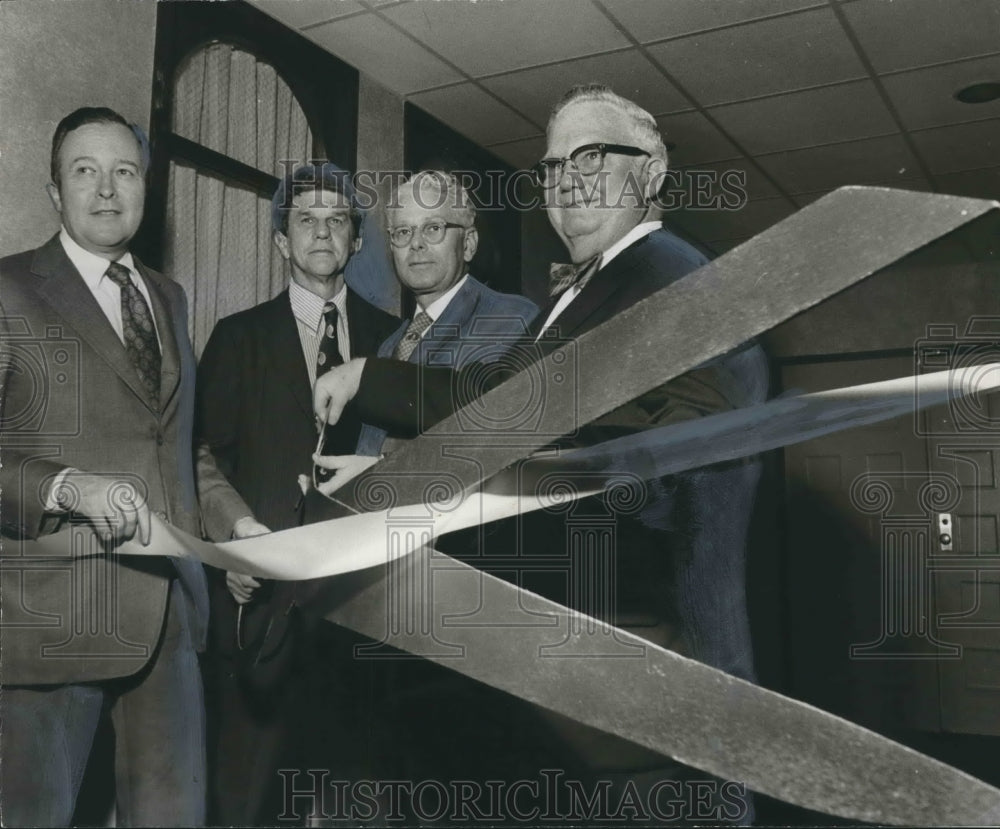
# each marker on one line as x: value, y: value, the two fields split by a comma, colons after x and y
x: 308, y: 307
x: 91, y: 266
x: 634, y: 235
x: 436, y: 308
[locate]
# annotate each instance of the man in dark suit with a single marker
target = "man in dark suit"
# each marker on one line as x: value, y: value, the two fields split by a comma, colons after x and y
x: 457, y: 319
x: 256, y: 427
x: 680, y: 562
x: 96, y: 440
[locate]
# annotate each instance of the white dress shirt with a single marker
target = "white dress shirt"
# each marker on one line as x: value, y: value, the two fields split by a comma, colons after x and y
x: 436, y: 308
x: 109, y: 297
x: 105, y: 290
x: 571, y: 293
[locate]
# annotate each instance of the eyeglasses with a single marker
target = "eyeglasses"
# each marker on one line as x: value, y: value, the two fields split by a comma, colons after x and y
x: 431, y: 232
x: 588, y: 160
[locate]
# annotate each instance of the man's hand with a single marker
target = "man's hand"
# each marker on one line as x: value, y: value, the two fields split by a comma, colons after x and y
x: 241, y: 586
x: 346, y: 466
x: 335, y: 389
x: 115, y: 507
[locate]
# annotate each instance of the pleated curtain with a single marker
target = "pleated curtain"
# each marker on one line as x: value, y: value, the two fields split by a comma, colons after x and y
x: 218, y: 234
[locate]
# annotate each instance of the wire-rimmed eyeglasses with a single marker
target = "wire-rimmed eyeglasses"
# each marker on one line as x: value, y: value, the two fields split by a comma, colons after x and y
x: 432, y: 232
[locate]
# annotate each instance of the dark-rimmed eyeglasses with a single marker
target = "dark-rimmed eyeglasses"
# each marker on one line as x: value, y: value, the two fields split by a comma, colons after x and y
x: 432, y: 233
x: 588, y: 160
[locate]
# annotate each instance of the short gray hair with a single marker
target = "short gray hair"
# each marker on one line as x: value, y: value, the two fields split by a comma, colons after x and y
x: 643, y: 124
x: 447, y: 192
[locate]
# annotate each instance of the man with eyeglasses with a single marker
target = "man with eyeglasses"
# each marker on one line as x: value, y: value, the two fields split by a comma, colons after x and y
x: 257, y: 433
x: 432, y: 231
x: 680, y: 560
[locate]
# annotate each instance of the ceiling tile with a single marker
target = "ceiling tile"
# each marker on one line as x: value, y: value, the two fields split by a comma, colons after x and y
x: 762, y: 58
x: 521, y: 154
x: 365, y: 41
x: 534, y: 91
x: 977, y: 184
x: 488, y: 37
x: 803, y: 119
x: 748, y: 178
x: 696, y: 139
x: 918, y: 32
x: 882, y: 160
x: 925, y: 97
x: 307, y: 12
x: 649, y: 20
x: 961, y: 147
x: 474, y: 113
x: 751, y: 219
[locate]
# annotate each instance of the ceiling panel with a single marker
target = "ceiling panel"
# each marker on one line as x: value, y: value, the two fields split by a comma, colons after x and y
x: 754, y: 183
x: 751, y: 219
x: 534, y: 91
x: 762, y: 58
x: 379, y: 50
x: 904, y: 35
x: 803, y: 119
x: 490, y: 37
x: 521, y: 154
x: 925, y: 97
x: 307, y: 12
x: 493, y: 123
x: 696, y: 139
x: 650, y: 20
x: 961, y: 147
x: 884, y: 160
x: 978, y: 184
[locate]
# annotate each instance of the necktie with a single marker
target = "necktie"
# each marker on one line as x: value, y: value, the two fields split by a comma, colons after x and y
x: 411, y: 339
x: 139, y: 332
x: 562, y: 276
x: 328, y: 355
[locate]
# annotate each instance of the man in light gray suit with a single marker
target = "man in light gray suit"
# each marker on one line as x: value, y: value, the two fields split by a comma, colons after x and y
x: 97, y: 440
x: 457, y: 319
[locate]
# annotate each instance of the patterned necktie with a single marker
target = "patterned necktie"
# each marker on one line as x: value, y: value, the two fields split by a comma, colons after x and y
x: 328, y: 355
x: 139, y: 332
x: 563, y: 276
x: 411, y: 339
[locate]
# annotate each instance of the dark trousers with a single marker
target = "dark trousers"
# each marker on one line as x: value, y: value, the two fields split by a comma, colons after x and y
x: 158, y: 719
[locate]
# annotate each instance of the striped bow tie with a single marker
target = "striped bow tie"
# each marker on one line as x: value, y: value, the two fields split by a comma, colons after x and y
x: 563, y: 275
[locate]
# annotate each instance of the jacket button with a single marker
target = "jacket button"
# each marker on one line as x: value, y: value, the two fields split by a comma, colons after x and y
x: 159, y: 438
x: 161, y: 515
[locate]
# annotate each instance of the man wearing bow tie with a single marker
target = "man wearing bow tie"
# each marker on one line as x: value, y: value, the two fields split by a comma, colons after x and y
x: 680, y: 561
x: 93, y: 443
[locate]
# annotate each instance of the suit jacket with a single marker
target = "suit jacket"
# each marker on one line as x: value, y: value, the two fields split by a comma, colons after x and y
x: 255, y: 411
x: 680, y: 558
x: 478, y: 325
x: 71, y: 398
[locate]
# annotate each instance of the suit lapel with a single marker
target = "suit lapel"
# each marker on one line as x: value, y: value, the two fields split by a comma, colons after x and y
x: 458, y: 311
x: 284, y: 349
x: 64, y: 290
x: 170, y: 359
x: 389, y: 343
x: 593, y: 305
